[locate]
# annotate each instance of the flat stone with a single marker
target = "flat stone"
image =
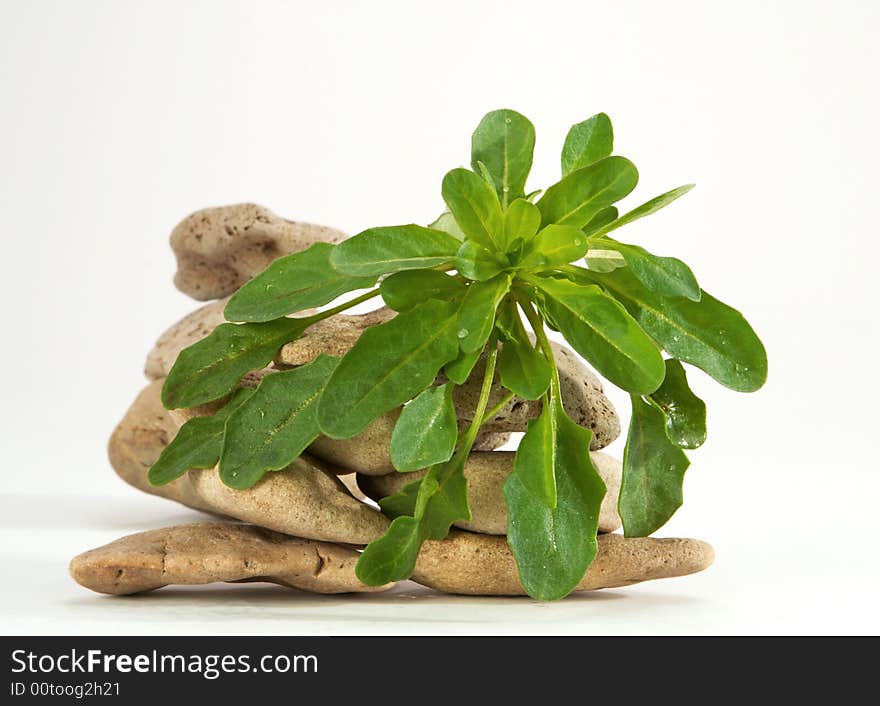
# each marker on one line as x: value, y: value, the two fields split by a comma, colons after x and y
x: 582, y: 395
x: 582, y: 392
x: 483, y: 564
x: 219, y: 249
x: 212, y: 552
x: 304, y: 500
x: 486, y: 474
x: 333, y: 336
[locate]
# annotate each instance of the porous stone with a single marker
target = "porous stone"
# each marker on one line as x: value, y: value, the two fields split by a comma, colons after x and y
x: 486, y: 473
x: 483, y: 564
x: 190, y: 329
x: 334, y: 336
x: 304, y: 500
x: 582, y: 395
x: 210, y: 552
x: 219, y: 249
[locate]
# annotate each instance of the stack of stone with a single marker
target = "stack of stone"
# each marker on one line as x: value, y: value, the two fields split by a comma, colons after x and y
x: 302, y: 526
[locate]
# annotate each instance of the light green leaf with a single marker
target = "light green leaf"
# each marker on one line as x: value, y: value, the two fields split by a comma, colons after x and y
x: 402, y: 502
x: 292, y: 283
x: 600, y: 220
x: 426, y: 431
x: 460, y: 369
x: 477, y: 314
x: 440, y: 501
x: 587, y: 142
x: 646, y: 209
x: 522, y: 368
x: 475, y: 207
x: 404, y: 290
x: 477, y: 263
x: 197, y: 443
x: 708, y: 334
x: 685, y: 412
x: 555, y: 245
x: 601, y: 330
x: 378, y: 251
x: 521, y: 220
x: 274, y: 426
x: 504, y: 142
x: 664, y: 275
x: 553, y: 544
x: 446, y: 222
x: 601, y: 260
x: 388, y: 365
x: 653, y: 472
x: 212, y: 367
x: 577, y: 199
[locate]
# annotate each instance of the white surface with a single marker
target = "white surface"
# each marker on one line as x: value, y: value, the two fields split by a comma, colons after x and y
x: 120, y: 118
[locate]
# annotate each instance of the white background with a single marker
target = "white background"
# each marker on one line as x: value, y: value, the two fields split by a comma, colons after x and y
x: 119, y: 118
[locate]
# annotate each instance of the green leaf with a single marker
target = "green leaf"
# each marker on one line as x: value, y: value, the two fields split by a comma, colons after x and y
x: 388, y: 365
x: 402, y: 502
x: 653, y: 472
x: 521, y: 220
x: 647, y: 208
x: 578, y: 197
x: 477, y: 314
x: 292, y: 283
x: 587, y: 142
x: 460, y: 369
x: 600, y: 220
x: 685, y: 412
x: 274, y: 426
x: 555, y: 245
x: 708, y: 334
x: 602, y: 260
x: 601, y: 330
x: 664, y: 275
x: 404, y: 290
x: 476, y: 263
x: 441, y: 500
x: 426, y: 431
x: 522, y: 368
x: 197, y: 443
x: 553, y: 544
x: 504, y: 142
x: 446, y: 222
x: 377, y: 251
x: 212, y: 367
x: 475, y: 207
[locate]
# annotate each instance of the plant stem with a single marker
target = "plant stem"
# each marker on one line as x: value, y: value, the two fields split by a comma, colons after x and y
x: 537, y: 324
x: 492, y: 413
x: 479, y: 413
x: 346, y: 305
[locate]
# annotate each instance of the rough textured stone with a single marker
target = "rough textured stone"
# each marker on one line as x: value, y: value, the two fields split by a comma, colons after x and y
x: 582, y: 396
x: 482, y: 564
x: 304, y: 500
x: 191, y: 328
x: 582, y: 391
x: 333, y: 336
x: 486, y: 473
x: 208, y: 553
x: 219, y: 249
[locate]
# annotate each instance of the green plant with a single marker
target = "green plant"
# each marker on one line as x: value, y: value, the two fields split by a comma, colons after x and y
x: 459, y: 287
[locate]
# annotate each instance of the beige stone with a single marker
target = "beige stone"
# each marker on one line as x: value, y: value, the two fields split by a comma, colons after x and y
x: 482, y: 564
x: 304, y: 500
x: 219, y: 249
x: 190, y: 329
x: 211, y: 552
x: 333, y: 336
x: 582, y: 395
x: 486, y: 473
